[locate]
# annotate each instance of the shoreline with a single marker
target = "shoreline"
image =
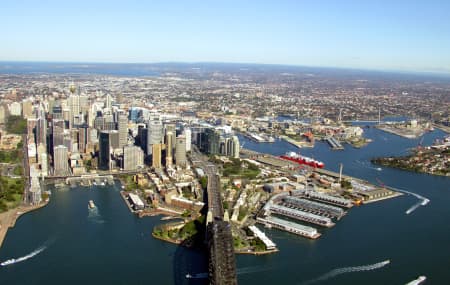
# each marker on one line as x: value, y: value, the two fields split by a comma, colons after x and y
x: 178, y: 242
x: 8, y: 219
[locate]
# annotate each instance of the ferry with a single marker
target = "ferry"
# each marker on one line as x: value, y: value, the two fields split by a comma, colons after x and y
x: 417, y: 281
x: 295, y: 157
x: 8, y: 262
x: 91, y: 204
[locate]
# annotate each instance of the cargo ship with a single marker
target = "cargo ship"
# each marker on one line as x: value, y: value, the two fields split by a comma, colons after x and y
x: 300, y: 159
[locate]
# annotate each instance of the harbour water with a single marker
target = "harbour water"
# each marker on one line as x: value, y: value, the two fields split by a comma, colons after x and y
x: 113, y: 246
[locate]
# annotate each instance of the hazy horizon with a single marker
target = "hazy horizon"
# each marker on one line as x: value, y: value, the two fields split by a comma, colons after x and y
x: 399, y: 36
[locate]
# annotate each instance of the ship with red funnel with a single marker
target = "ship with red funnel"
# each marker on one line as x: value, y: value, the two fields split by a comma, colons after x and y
x: 300, y: 159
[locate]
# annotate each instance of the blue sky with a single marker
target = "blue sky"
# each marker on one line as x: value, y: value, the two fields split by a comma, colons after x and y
x: 384, y: 34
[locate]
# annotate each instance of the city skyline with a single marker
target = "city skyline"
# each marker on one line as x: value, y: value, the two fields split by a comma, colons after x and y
x: 400, y: 36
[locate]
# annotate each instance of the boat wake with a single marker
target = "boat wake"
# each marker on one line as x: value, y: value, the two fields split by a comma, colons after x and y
x: 94, y: 216
x: 23, y: 258
x: 252, y: 269
x: 368, y: 164
x: 423, y: 201
x: 244, y: 270
x: 339, y: 271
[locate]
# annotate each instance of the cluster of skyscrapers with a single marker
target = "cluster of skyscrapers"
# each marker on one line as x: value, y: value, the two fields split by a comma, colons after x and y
x: 71, y: 135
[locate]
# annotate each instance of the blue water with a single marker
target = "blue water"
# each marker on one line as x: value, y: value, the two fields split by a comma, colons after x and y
x: 115, y: 247
x: 117, y: 69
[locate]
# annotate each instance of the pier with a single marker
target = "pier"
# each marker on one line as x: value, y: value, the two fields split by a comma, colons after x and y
x: 301, y: 215
x: 334, y: 143
x: 291, y: 227
x: 329, y: 199
x: 313, y: 207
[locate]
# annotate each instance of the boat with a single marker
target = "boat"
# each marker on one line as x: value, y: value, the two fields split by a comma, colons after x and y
x: 8, y: 262
x: 300, y: 159
x: 91, y: 204
x: 197, y: 275
x: 417, y: 281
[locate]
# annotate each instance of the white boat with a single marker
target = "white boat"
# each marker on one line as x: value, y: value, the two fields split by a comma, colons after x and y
x: 8, y: 262
x: 91, y: 204
x: 417, y: 281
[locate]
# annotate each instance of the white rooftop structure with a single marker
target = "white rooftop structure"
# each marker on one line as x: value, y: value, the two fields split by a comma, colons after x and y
x: 262, y: 236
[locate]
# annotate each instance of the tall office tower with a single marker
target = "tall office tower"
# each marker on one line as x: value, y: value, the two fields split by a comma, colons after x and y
x: 169, y: 149
x: 172, y: 129
x: 223, y: 146
x: 56, y: 111
x: 213, y: 141
x: 108, y: 101
x: 109, y: 123
x: 57, y: 133
x: 236, y: 147
x: 41, y: 131
x: 99, y: 123
x: 143, y: 136
x: 60, y: 160
x: 27, y: 109
x: 180, y: 151
x: 154, y: 133
x: 114, y: 136
x: 73, y: 103
x: 105, y: 148
x: 67, y: 140
x: 35, y: 195
x: 44, y: 164
x: 83, y: 138
x: 84, y: 105
x: 31, y: 129
x: 133, y: 157
x: 67, y: 117
x: 188, y: 136
x: 156, y: 156
x: 122, y: 126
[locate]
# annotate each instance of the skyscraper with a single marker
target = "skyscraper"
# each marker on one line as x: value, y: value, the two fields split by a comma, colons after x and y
x: 156, y: 156
x: 105, y: 148
x: 236, y: 147
x: 169, y: 155
x: 188, y: 136
x: 108, y: 101
x: 60, y: 160
x: 73, y: 103
x: 133, y: 157
x: 154, y: 132
x: 41, y: 131
x: 180, y: 151
x: 83, y: 138
x: 122, y: 126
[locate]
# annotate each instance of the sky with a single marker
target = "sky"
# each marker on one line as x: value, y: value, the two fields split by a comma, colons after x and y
x: 378, y: 34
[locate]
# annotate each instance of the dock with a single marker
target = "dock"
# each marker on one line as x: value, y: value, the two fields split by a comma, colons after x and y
x: 334, y: 143
x: 313, y: 207
x: 301, y: 215
x: 291, y: 227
